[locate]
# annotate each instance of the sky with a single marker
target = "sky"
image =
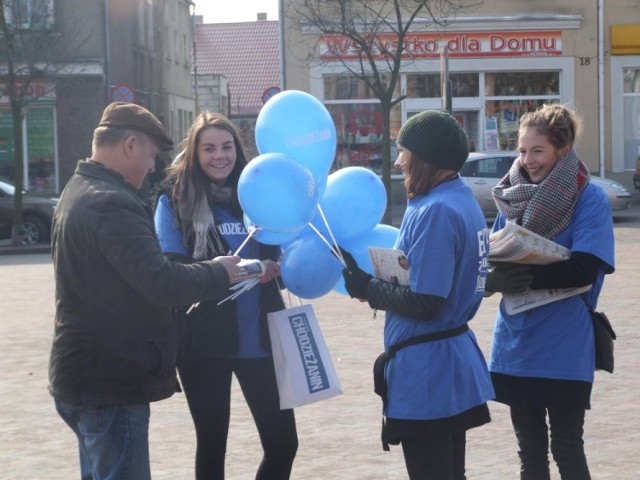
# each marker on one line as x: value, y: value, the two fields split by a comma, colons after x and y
x: 227, y: 11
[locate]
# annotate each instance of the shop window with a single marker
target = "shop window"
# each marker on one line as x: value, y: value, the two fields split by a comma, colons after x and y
x: 349, y: 87
x: 423, y: 86
x: 506, y: 115
x: 428, y: 85
x: 40, y: 150
x: 631, y: 78
x: 503, y: 84
x: 29, y: 14
x: 359, y: 131
x: 6, y: 146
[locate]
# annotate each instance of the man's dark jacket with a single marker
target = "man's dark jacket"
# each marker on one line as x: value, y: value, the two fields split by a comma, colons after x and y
x: 115, y: 340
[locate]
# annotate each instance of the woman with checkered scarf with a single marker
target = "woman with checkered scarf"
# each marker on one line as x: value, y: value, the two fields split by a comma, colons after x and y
x: 542, y: 360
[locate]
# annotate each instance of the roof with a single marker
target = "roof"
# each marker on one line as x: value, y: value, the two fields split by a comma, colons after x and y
x: 246, y: 53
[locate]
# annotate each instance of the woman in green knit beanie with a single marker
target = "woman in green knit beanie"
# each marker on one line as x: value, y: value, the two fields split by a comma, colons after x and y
x: 433, y: 377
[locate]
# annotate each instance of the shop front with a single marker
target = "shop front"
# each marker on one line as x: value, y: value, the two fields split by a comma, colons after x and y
x: 625, y: 97
x: 40, y: 158
x: 495, y: 76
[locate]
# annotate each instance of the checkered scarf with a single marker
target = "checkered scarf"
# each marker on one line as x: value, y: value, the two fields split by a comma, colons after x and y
x: 545, y: 208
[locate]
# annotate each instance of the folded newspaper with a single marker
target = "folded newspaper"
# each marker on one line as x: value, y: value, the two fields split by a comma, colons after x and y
x: 516, y: 244
x: 390, y: 264
x: 250, y: 268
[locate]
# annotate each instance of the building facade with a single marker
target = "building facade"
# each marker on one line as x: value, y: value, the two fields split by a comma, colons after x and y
x: 115, y: 50
x: 238, y: 68
x: 504, y: 58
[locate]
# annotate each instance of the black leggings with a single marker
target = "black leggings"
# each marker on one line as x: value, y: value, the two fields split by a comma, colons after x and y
x: 207, y: 386
x: 566, y: 426
x: 435, y: 457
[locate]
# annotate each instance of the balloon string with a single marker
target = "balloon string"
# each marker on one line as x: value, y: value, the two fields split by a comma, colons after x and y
x: 336, y: 252
x: 333, y: 239
x: 252, y: 230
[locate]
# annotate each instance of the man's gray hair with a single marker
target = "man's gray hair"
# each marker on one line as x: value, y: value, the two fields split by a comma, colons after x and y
x: 110, y: 136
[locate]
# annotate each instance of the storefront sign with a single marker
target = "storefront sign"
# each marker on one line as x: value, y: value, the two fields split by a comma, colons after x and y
x: 37, y: 91
x: 459, y: 45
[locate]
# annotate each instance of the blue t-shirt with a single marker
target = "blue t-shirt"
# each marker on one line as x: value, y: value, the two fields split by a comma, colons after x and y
x: 556, y: 340
x: 234, y: 233
x: 445, y: 238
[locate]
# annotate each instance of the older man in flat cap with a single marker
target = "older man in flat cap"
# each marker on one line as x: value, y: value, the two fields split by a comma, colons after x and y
x: 114, y: 347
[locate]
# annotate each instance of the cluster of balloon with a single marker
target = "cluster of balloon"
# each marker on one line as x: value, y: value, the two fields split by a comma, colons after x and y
x: 290, y: 199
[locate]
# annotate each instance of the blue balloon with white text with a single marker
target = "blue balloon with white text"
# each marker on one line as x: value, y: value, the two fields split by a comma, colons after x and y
x: 297, y: 124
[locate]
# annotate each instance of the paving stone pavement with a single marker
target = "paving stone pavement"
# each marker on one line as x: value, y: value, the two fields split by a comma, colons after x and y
x: 339, y: 438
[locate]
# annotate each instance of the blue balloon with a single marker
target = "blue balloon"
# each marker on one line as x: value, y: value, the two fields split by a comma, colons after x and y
x: 268, y: 237
x: 298, y: 125
x: 381, y: 235
x: 309, y: 269
x: 353, y: 203
x: 277, y: 193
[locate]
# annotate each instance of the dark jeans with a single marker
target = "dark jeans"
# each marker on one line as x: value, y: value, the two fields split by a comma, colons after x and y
x: 566, y: 427
x: 435, y: 457
x: 207, y: 385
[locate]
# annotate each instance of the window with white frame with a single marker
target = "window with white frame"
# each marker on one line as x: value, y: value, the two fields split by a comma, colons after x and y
x: 625, y: 112
x: 29, y: 14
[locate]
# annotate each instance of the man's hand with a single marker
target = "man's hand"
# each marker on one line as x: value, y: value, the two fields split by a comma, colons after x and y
x: 508, y: 278
x: 230, y: 263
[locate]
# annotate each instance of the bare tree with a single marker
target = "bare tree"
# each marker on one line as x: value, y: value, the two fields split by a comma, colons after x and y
x: 32, y: 53
x: 374, y: 36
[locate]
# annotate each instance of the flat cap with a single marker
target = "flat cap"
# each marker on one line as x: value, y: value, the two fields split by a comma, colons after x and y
x: 135, y: 117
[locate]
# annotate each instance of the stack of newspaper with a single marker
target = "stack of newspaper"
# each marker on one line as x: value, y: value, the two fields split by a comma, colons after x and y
x: 516, y: 244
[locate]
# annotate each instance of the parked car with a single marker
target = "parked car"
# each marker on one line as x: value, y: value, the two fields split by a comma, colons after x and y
x: 37, y: 212
x: 482, y: 171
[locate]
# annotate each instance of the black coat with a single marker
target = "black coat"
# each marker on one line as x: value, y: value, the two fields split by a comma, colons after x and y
x: 115, y: 339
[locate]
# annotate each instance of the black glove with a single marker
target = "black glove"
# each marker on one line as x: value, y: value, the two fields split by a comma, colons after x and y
x: 508, y: 278
x: 356, y: 280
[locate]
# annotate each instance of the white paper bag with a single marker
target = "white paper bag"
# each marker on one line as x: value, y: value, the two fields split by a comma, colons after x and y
x: 304, y: 370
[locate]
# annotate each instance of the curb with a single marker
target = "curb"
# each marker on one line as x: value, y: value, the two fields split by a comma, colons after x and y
x: 25, y: 249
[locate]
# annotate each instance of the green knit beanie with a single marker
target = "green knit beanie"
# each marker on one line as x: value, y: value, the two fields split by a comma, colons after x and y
x: 437, y: 138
